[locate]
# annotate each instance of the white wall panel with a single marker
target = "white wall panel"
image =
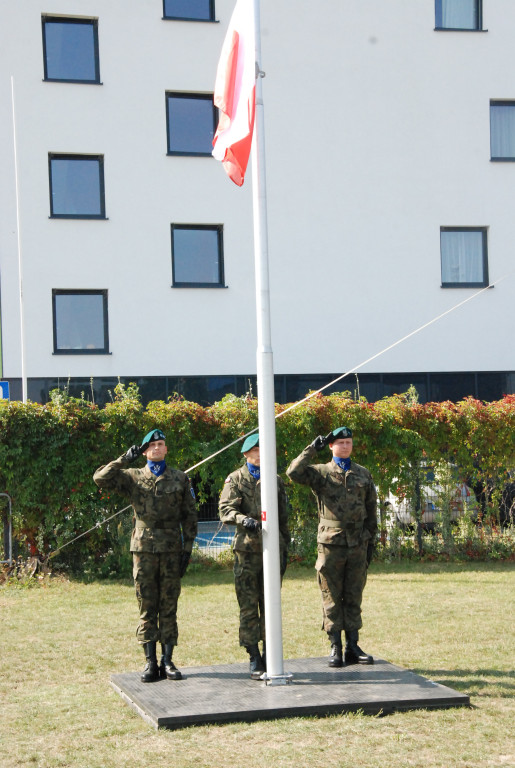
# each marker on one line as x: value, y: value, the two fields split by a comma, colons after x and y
x: 377, y: 134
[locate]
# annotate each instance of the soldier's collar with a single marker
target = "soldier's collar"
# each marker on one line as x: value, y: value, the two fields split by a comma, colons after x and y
x: 342, y: 463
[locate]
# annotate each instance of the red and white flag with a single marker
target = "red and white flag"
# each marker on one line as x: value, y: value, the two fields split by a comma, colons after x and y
x: 235, y: 93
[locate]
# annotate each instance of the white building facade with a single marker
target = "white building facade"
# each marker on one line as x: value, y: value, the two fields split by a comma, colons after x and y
x: 390, y: 149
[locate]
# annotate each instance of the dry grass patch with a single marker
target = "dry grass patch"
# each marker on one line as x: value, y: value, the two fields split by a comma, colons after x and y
x: 61, y: 641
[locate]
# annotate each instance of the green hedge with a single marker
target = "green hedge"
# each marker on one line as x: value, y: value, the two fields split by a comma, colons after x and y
x: 48, y: 454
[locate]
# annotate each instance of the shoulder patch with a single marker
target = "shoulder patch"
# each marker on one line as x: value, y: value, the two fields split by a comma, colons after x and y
x: 227, y: 479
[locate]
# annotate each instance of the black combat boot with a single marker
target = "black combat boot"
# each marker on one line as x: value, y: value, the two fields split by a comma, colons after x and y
x: 256, y: 667
x: 168, y: 669
x: 353, y: 653
x: 151, y: 672
x: 336, y: 658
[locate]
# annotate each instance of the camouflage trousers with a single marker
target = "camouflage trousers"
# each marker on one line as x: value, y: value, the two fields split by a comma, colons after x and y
x: 342, y: 575
x: 158, y: 586
x: 248, y: 582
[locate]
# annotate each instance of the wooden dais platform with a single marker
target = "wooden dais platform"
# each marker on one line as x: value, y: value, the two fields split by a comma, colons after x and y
x: 225, y: 693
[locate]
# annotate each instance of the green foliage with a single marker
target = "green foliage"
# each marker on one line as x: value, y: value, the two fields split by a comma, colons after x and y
x: 48, y: 454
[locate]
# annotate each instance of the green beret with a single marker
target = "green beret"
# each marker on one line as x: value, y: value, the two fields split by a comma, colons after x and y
x: 250, y: 442
x: 154, y: 434
x: 341, y: 432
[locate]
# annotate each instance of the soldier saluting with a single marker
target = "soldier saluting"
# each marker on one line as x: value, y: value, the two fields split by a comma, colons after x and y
x: 165, y: 526
x: 347, y: 527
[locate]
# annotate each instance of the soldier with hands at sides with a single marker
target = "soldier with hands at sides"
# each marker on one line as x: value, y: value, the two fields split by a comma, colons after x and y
x: 347, y: 527
x: 164, y: 529
x: 240, y: 505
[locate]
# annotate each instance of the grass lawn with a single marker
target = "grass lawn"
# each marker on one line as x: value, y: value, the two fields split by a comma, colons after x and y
x: 453, y: 623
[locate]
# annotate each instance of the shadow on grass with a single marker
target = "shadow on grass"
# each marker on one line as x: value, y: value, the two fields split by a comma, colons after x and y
x: 489, y: 682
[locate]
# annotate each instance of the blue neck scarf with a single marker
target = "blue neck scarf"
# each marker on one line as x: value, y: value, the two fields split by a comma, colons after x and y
x: 157, y: 467
x: 343, y: 463
x: 254, y: 471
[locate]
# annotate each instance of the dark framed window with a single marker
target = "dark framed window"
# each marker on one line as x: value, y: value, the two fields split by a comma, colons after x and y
x: 189, y: 10
x: 80, y: 322
x: 463, y: 15
x: 76, y: 186
x: 464, y: 257
x: 191, y: 120
x: 70, y: 49
x: 502, y: 130
x: 197, y: 256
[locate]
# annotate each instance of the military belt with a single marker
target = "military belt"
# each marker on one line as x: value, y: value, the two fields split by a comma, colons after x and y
x: 330, y: 523
x: 161, y: 526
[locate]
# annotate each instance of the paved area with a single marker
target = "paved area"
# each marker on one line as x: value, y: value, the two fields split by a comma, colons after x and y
x: 225, y: 693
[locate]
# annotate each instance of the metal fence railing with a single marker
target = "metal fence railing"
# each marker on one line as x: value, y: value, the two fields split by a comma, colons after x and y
x: 213, y: 537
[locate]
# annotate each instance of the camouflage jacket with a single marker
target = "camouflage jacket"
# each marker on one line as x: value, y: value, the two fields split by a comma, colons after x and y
x: 165, y: 515
x: 347, y: 501
x: 240, y: 498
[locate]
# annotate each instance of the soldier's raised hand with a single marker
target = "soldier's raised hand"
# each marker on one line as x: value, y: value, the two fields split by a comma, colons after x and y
x: 321, y: 442
x: 134, y: 452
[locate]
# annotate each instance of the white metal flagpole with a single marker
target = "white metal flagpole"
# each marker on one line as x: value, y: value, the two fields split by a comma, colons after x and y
x: 20, y: 270
x: 266, y: 394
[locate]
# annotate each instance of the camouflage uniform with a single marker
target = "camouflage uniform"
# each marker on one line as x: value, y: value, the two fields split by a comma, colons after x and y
x: 240, y: 498
x: 164, y: 513
x: 347, y: 516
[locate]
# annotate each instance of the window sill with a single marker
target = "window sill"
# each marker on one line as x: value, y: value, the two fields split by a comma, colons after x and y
x: 174, y: 153
x: 198, y: 285
x: 502, y: 159
x: 83, y: 217
x: 81, y: 352
x: 470, y: 286
x: 182, y: 18
x: 72, y: 82
x: 456, y: 29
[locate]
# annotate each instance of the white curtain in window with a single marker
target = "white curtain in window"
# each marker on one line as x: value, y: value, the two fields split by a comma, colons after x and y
x: 459, y: 14
x: 462, y: 257
x: 502, y: 130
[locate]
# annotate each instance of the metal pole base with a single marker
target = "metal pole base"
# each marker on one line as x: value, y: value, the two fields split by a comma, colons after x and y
x: 277, y: 679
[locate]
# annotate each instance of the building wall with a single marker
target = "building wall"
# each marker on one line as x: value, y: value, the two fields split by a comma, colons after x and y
x: 377, y: 134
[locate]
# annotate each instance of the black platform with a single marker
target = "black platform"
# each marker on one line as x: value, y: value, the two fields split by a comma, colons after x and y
x: 225, y: 693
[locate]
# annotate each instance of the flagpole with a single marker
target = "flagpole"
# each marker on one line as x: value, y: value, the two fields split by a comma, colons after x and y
x: 20, y: 269
x: 266, y: 394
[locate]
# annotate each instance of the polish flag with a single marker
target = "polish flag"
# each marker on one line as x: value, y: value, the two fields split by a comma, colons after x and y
x: 235, y: 93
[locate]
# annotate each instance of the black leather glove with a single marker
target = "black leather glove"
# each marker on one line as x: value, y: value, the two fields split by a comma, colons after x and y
x: 185, y: 559
x: 250, y: 524
x: 284, y: 562
x: 133, y: 452
x: 321, y: 442
x: 370, y: 552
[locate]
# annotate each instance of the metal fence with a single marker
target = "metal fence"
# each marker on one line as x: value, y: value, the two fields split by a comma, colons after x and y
x: 213, y: 537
